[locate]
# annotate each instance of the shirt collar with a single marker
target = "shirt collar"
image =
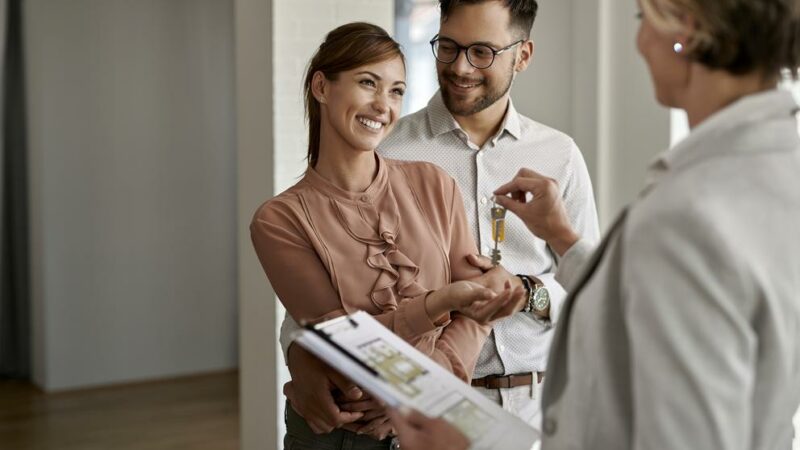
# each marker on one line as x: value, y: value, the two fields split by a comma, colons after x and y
x: 724, y: 129
x: 375, y: 188
x: 441, y: 121
x: 741, y: 114
x: 511, y: 122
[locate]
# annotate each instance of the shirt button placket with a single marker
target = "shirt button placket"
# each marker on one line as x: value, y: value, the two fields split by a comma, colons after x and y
x: 482, y: 201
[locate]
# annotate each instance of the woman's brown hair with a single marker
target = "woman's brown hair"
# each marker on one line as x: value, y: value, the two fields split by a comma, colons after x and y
x: 739, y: 36
x: 345, y: 48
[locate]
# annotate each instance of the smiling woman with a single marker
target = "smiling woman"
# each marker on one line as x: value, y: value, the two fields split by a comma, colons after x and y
x: 349, y: 47
x: 353, y: 119
x: 360, y: 232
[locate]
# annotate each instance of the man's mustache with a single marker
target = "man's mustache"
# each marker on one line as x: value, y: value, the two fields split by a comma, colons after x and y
x: 462, y: 80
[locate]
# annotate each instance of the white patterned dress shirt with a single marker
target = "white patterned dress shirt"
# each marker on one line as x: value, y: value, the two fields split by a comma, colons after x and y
x: 521, y: 342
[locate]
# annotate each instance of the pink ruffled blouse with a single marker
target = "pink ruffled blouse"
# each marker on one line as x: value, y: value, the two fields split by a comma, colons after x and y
x: 329, y: 252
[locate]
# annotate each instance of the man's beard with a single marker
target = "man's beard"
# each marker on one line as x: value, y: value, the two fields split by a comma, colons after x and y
x: 484, y: 101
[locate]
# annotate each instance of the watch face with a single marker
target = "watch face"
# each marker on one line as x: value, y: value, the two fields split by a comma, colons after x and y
x: 541, y: 299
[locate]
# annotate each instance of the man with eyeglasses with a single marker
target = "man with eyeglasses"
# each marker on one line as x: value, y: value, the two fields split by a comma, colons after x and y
x: 471, y: 129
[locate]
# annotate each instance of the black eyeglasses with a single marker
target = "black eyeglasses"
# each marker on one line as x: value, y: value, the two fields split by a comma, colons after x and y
x: 479, y: 56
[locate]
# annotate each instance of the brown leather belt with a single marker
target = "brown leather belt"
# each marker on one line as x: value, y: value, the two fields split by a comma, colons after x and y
x: 507, y: 381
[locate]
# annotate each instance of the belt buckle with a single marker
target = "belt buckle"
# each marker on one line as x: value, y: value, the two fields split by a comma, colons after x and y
x: 486, y: 381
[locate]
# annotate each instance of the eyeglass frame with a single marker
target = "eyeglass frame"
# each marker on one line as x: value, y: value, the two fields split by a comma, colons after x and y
x: 466, y: 48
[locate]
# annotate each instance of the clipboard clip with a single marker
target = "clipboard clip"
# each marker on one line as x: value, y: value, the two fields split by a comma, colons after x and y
x: 319, y: 331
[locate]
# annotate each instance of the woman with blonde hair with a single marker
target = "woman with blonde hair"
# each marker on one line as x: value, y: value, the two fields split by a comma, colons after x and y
x: 682, y: 330
x: 360, y: 232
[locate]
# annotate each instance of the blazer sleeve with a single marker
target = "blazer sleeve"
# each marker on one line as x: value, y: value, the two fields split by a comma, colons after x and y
x: 692, y: 350
x: 578, y: 197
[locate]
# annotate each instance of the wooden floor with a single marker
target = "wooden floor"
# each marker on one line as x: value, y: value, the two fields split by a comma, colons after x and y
x: 197, y: 413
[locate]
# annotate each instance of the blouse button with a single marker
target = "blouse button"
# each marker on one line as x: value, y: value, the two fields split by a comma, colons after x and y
x: 364, y: 198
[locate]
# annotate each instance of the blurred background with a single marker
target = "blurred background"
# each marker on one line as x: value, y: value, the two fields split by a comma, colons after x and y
x: 138, y: 137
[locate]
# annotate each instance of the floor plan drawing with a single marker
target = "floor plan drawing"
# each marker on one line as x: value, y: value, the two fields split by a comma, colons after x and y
x: 468, y: 417
x: 399, y: 370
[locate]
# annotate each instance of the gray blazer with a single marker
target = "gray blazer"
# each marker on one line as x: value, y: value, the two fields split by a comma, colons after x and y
x: 683, y: 328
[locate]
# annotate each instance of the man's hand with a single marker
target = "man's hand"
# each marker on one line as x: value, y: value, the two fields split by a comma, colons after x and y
x: 493, y: 277
x: 310, y: 392
x: 509, y: 301
x: 455, y: 296
x: 375, y: 422
x: 545, y: 214
x: 419, y: 432
x: 475, y: 301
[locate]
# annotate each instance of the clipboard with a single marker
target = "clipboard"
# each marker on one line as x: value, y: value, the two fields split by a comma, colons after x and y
x: 398, y: 374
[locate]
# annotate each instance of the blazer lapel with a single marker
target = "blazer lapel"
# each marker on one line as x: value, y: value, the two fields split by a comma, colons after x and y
x: 556, y: 367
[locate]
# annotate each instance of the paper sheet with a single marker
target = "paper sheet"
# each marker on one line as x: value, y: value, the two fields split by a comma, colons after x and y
x: 389, y: 368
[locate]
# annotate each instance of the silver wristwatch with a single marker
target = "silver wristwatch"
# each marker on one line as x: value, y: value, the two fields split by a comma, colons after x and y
x: 538, y: 295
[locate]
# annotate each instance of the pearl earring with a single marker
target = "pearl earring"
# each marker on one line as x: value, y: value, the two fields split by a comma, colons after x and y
x: 678, y: 47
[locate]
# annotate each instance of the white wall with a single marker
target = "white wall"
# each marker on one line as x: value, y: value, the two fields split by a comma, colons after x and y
x: 633, y: 127
x: 132, y: 179
x: 544, y: 91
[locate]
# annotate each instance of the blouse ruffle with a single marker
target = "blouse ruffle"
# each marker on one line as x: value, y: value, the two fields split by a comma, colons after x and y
x: 379, y: 232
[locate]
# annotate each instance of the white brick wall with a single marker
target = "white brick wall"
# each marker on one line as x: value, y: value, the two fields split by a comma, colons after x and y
x: 299, y: 27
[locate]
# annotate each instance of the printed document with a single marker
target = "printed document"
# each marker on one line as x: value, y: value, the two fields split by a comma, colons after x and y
x: 391, y: 369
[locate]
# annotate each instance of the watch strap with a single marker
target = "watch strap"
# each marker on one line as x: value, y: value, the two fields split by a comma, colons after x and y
x: 530, y: 289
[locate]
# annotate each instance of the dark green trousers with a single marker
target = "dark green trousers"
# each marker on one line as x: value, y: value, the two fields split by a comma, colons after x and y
x: 300, y: 437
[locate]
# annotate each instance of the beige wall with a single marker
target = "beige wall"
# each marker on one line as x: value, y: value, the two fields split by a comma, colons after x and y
x: 544, y: 91
x: 131, y: 121
x: 255, y: 161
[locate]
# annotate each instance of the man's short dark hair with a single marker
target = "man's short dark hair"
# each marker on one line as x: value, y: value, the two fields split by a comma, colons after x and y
x: 523, y: 12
